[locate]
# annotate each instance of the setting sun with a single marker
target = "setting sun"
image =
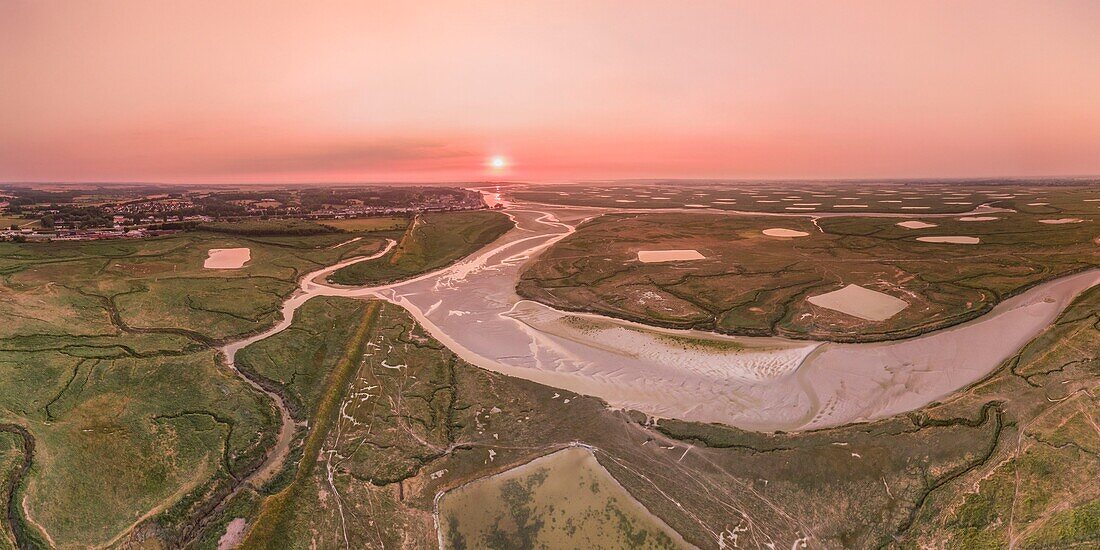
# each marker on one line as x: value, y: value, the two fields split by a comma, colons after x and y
x: 498, y: 162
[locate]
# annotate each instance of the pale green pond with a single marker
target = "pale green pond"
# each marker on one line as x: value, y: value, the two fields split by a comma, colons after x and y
x: 562, y: 500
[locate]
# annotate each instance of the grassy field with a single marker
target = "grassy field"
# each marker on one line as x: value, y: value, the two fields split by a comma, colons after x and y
x: 431, y: 241
x: 283, y: 509
x: 298, y: 359
x: 12, y: 460
x: 268, y: 227
x: 415, y: 420
x: 7, y: 221
x: 384, y: 223
x: 803, y: 197
x: 755, y: 284
x: 109, y: 366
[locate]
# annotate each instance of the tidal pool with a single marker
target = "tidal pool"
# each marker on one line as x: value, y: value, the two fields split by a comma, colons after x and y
x: 562, y: 500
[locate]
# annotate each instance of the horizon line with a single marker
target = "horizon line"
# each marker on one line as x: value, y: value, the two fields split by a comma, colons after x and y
x: 559, y: 181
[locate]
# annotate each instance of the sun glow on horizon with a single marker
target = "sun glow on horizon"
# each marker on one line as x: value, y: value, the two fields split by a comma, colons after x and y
x: 498, y: 162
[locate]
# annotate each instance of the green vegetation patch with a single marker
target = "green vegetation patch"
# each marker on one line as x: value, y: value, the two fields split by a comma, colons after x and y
x: 750, y: 283
x: 109, y: 365
x: 432, y: 241
x: 300, y: 358
x: 259, y: 228
x: 562, y: 500
x: 382, y: 223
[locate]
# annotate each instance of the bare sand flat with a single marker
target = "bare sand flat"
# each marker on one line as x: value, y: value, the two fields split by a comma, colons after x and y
x: 857, y: 301
x: 978, y: 218
x: 227, y: 258
x: 696, y: 206
x: 913, y: 224
x: 654, y: 256
x: 234, y: 533
x: 780, y: 232
x: 850, y: 206
x: 1060, y: 221
x: 951, y: 239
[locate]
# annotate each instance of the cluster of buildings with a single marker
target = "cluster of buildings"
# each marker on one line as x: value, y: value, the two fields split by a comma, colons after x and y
x: 135, y: 217
x: 352, y: 211
x: 42, y: 235
x: 158, y: 207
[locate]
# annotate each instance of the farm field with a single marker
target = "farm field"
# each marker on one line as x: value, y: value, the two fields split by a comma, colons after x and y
x: 431, y: 241
x: 754, y: 279
x: 8, y: 221
x: 384, y: 223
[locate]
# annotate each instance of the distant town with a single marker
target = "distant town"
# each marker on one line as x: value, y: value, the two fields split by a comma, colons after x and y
x: 66, y: 213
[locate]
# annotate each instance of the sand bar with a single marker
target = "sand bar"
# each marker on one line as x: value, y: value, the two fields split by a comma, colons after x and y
x: 1060, y: 221
x: 227, y: 258
x: 781, y: 232
x: 654, y: 256
x: 914, y: 224
x: 950, y: 239
x: 978, y: 218
x: 861, y: 302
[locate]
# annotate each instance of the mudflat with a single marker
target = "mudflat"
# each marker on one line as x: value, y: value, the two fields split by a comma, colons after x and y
x: 860, y: 302
x: 227, y: 258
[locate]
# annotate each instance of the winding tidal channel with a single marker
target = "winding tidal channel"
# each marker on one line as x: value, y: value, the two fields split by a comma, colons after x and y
x: 753, y: 383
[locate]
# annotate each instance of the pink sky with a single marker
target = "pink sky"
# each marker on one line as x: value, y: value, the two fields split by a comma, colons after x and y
x: 225, y: 91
